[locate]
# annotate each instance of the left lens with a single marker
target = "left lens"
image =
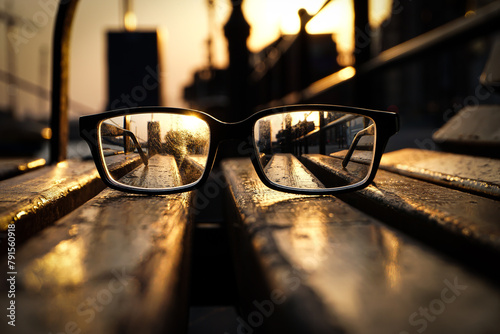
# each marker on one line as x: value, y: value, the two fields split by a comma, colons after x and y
x: 161, y: 150
x: 315, y: 149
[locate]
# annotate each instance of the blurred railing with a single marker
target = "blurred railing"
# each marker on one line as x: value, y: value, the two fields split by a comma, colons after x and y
x: 459, y: 31
x: 301, y: 141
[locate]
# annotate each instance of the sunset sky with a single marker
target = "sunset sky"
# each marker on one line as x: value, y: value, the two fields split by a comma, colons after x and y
x: 183, y: 27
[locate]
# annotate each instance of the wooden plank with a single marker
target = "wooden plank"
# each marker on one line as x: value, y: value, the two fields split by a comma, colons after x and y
x: 479, y: 175
x: 10, y: 167
x: 473, y: 127
x: 285, y: 169
x: 35, y: 200
x: 313, y: 264
x: 117, y: 264
x: 452, y: 220
x: 192, y: 168
x: 161, y: 172
x: 332, y: 173
x: 491, y: 73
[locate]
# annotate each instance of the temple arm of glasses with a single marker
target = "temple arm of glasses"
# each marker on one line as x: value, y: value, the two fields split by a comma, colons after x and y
x: 139, y: 148
x: 113, y: 131
x: 366, y: 131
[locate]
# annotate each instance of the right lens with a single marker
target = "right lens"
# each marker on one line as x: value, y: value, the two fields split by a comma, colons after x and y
x: 315, y: 149
x: 162, y: 150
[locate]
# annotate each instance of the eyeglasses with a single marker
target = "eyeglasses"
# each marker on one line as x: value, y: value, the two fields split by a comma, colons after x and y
x: 302, y: 149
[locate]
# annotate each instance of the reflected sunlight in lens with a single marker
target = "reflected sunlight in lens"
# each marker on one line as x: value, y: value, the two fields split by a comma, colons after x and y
x: 193, y: 124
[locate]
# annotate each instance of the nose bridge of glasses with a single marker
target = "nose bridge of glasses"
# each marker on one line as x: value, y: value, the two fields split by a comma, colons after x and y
x: 239, y: 131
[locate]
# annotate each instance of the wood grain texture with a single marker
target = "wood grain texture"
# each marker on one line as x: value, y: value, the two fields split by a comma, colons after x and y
x: 453, y: 220
x: 473, y: 125
x: 313, y: 264
x: 285, y: 169
x: 479, y: 175
x: 35, y: 200
x: 161, y: 172
x: 117, y: 264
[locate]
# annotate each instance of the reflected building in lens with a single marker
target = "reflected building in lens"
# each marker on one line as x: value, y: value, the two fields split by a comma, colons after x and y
x: 154, y: 138
x: 265, y: 137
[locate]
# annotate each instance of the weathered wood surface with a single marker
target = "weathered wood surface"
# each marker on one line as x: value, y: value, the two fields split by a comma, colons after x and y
x: 35, y: 200
x: 332, y: 173
x: 313, y: 264
x: 285, y: 169
x: 10, y: 167
x: 117, y: 264
x: 454, y: 220
x: 161, y: 172
x: 476, y: 174
x: 479, y: 175
x: 476, y: 126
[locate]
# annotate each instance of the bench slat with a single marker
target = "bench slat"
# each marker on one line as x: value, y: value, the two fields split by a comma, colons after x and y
x: 456, y: 220
x: 477, y: 174
x: 35, y: 200
x: 10, y: 167
x: 285, y: 169
x: 117, y: 264
x: 315, y: 264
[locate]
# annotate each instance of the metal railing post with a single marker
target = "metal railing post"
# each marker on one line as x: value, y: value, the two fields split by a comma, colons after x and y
x: 59, y: 96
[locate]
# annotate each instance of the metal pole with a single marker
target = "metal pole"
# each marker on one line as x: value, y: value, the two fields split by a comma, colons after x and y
x: 60, y: 76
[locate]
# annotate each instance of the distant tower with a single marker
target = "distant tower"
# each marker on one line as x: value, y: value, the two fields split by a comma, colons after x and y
x: 237, y: 31
x: 154, y: 140
x: 265, y: 136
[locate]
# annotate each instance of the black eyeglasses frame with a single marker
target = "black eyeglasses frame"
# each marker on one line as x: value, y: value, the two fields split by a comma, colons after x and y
x: 386, y: 125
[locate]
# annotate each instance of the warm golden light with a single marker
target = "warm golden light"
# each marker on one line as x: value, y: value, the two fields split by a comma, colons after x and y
x: 130, y: 21
x: 333, y: 79
x: 337, y: 19
x: 32, y: 164
x: 270, y: 18
x: 36, y: 163
x: 61, y: 266
x: 346, y: 73
x: 62, y: 164
x: 194, y: 125
x: 380, y: 10
x: 470, y: 13
x: 46, y: 133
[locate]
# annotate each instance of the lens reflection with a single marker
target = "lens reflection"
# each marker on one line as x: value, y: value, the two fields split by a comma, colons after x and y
x: 156, y: 150
x: 315, y: 149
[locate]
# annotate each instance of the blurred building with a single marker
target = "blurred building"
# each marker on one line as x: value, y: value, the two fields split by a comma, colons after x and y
x: 133, y: 69
x: 154, y: 138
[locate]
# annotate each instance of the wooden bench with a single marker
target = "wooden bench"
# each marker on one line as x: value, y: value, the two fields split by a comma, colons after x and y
x: 401, y: 256
x: 10, y: 167
x: 413, y: 252
x: 104, y: 262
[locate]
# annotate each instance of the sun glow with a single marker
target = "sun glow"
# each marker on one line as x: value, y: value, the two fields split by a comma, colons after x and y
x: 130, y: 21
x: 194, y: 125
x: 271, y: 18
